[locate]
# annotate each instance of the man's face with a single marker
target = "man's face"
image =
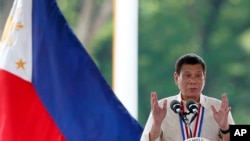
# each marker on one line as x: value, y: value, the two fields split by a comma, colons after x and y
x: 190, y: 81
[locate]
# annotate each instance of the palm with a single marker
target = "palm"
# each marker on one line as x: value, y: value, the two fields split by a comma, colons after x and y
x: 158, y: 112
x: 221, y: 116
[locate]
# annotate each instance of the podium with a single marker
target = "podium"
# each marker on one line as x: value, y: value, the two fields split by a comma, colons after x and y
x: 197, y: 139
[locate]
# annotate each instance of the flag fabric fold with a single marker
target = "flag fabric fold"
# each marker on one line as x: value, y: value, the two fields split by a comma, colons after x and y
x: 51, y: 90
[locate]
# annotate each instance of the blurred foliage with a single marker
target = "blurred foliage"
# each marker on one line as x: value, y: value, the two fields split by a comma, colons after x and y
x: 100, y: 47
x: 216, y: 30
x: 70, y: 10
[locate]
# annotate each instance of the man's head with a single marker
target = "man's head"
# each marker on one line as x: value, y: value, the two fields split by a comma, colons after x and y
x: 190, y: 75
x: 190, y: 59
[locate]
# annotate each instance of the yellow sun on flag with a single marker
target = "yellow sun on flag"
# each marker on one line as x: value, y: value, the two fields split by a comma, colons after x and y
x: 10, y: 26
x: 6, y: 33
x: 19, y: 26
x: 20, y: 64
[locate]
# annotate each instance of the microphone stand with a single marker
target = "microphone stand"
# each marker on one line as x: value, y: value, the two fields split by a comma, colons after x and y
x: 186, y: 121
x: 193, y: 117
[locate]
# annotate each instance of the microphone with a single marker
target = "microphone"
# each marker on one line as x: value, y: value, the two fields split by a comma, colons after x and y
x: 192, y: 106
x: 176, y: 106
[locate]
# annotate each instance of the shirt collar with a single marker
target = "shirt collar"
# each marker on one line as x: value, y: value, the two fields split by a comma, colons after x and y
x: 202, y: 98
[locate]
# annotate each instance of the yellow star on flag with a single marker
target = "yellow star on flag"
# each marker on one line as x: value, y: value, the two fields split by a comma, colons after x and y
x: 20, y: 64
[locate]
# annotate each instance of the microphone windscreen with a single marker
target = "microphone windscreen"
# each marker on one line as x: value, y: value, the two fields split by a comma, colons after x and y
x: 175, y: 106
x: 191, y: 106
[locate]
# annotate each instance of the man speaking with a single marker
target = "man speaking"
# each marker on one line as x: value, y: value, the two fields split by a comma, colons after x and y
x: 190, y: 114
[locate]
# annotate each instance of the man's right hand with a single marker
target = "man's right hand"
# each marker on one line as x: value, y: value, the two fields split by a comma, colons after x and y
x: 158, y: 113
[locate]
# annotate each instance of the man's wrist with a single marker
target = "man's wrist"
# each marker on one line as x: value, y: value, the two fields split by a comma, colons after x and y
x: 225, y: 131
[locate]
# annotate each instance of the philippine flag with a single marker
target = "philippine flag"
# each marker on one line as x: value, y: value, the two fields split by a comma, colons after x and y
x: 50, y: 88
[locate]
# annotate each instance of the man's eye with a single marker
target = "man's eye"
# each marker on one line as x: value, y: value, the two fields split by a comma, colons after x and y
x: 199, y: 76
x: 186, y: 75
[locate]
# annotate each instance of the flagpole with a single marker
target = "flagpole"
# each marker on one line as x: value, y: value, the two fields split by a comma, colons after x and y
x: 125, y: 53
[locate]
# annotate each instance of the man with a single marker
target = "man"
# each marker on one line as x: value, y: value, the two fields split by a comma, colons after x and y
x: 211, y: 118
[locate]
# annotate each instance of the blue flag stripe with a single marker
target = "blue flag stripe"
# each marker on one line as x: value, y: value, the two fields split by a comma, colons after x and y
x: 70, y: 85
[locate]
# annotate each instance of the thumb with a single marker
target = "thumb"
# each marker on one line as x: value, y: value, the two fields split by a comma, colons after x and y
x: 165, y: 104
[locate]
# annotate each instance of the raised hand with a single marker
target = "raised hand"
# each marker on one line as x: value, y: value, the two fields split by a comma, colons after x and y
x: 221, y: 115
x: 158, y: 114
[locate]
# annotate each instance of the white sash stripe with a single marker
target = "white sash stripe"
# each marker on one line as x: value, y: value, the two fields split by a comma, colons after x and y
x: 198, y: 125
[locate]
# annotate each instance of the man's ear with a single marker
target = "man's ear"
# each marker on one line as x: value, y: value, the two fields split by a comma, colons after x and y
x: 205, y: 77
x: 176, y: 77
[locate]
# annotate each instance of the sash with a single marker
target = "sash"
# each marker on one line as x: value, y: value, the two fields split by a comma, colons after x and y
x: 186, y: 134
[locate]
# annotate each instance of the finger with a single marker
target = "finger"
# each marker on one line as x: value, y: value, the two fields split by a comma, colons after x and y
x: 213, y: 109
x: 164, y: 108
x: 152, y: 100
x: 156, y: 98
x: 165, y: 104
x: 225, y: 100
x: 229, y: 109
